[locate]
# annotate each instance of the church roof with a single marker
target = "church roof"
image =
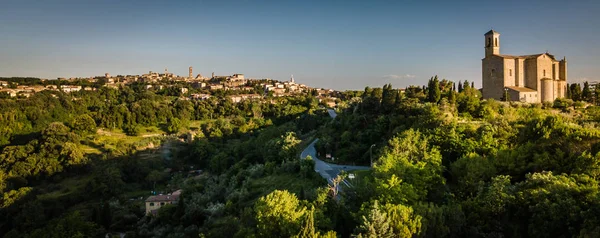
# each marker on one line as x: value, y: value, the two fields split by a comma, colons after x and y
x: 492, y: 32
x: 521, y: 89
x: 527, y: 56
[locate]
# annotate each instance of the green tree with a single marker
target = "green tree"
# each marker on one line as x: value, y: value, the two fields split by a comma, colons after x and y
x: 471, y: 173
x: 375, y: 224
x: 596, y: 95
x: 408, y: 169
x: 586, y: 94
x: 466, y: 85
x: 132, y: 129
x: 174, y: 125
x: 403, y: 220
x: 85, y: 124
x: 308, y: 230
x: 288, y: 146
x: 576, y: 93
x: 434, y: 93
x: 388, y: 98
x: 155, y: 176
x: 72, y: 225
x: 278, y: 214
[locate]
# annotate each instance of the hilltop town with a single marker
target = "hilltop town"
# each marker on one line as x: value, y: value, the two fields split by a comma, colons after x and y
x: 236, y: 87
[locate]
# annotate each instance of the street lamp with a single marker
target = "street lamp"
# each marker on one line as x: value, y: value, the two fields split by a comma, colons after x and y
x: 371, y: 154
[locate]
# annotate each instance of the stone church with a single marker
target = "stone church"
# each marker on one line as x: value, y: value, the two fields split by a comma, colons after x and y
x: 526, y: 78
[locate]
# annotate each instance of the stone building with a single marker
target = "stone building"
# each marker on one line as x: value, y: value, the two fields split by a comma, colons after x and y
x: 153, y: 203
x: 526, y: 78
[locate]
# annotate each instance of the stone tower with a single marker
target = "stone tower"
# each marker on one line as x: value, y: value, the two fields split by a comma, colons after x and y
x: 190, y: 73
x: 492, y: 43
x: 292, y: 79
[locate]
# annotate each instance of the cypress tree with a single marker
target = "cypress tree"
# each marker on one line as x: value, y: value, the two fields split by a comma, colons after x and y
x: 388, y: 97
x: 473, y: 85
x: 576, y: 92
x: 398, y: 100
x: 586, y: 94
x: 465, y: 85
x: 452, y: 97
x: 460, y: 87
x: 434, y: 93
x: 308, y: 230
x: 437, y: 93
x: 596, y: 94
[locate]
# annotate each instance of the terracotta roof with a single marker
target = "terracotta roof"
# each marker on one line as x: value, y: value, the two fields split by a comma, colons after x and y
x: 521, y: 89
x: 527, y: 56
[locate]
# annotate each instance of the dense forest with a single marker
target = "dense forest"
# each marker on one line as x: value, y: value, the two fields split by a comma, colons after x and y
x: 445, y: 164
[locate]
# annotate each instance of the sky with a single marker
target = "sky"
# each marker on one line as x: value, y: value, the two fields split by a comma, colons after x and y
x: 330, y: 44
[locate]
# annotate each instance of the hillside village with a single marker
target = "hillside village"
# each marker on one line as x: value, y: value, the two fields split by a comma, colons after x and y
x: 236, y: 87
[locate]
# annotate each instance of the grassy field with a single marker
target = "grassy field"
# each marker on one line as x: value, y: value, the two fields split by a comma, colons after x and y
x: 65, y: 187
x: 117, y: 141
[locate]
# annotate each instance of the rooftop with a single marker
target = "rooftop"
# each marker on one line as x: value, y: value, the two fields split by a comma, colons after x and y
x: 165, y: 198
x: 521, y: 89
x: 527, y: 56
x: 492, y: 32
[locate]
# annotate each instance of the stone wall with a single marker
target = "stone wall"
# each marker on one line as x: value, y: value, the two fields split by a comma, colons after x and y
x: 509, y: 72
x: 493, y: 81
x: 531, y: 74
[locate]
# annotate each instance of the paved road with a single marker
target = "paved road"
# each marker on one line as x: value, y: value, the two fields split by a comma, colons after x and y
x: 332, y: 113
x: 326, y: 170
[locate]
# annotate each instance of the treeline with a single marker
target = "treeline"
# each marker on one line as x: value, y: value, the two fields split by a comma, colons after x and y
x: 382, y: 112
x: 128, y: 108
x: 472, y: 168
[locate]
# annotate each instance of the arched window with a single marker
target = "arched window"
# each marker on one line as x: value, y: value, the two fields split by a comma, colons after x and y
x: 152, y: 204
x: 544, y: 73
x: 489, y: 43
x: 496, y: 42
x: 510, y: 72
x: 492, y: 73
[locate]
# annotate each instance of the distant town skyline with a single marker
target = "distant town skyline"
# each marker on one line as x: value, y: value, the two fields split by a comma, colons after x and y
x: 334, y: 44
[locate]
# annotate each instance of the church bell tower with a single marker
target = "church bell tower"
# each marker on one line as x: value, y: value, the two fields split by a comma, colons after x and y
x: 492, y: 43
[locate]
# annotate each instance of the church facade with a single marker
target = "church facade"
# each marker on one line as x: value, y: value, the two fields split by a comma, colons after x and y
x: 526, y: 78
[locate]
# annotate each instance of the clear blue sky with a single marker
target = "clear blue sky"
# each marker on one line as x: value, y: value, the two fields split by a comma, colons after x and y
x: 334, y: 44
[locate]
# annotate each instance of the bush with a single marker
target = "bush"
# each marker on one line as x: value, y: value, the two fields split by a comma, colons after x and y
x: 132, y: 130
x: 562, y: 103
x: 579, y: 104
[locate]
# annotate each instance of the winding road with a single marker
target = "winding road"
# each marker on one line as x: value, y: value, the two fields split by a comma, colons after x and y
x: 327, y: 170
